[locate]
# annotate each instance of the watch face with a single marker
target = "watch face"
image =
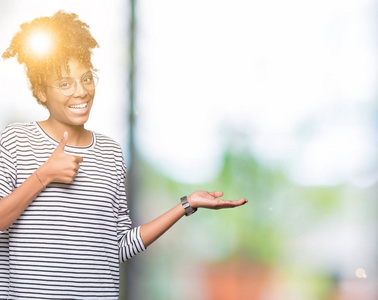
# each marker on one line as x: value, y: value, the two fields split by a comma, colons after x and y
x: 186, y: 205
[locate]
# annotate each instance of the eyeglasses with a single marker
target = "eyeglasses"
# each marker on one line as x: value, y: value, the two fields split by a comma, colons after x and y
x: 68, y: 86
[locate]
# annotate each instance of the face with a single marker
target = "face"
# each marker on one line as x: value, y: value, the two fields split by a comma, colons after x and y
x: 68, y: 110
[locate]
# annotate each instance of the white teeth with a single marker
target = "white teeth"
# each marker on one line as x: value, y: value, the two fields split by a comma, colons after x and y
x: 79, y: 106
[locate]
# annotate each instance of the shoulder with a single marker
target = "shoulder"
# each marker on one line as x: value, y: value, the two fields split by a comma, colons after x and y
x: 18, y: 127
x: 14, y: 130
x: 107, y: 148
x: 105, y: 141
x: 107, y: 145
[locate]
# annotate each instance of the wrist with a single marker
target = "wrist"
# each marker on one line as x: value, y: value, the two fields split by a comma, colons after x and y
x: 43, y: 176
x: 39, y: 179
x: 191, y: 202
x: 187, y: 207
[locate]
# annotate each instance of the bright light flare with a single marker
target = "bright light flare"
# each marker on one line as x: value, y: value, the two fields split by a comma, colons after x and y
x: 40, y: 43
x: 360, y: 273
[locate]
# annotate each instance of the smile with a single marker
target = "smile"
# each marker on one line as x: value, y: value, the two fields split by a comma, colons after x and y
x: 81, y: 106
x: 80, y: 109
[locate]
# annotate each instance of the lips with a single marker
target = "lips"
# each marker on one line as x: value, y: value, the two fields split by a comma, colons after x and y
x: 79, y: 108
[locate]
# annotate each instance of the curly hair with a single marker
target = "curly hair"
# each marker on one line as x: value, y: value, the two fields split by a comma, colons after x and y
x: 70, y: 38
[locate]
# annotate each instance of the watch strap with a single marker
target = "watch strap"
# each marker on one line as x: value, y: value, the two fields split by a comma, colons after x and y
x: 188, y: 209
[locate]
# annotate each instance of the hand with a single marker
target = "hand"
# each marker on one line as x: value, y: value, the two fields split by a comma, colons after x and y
x: 210, y: 200
x: 60, y: 167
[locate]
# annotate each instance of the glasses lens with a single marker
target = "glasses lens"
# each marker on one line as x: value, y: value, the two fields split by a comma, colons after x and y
x: 67, y: 87
x: 90, y: 80
x: 67, y: 92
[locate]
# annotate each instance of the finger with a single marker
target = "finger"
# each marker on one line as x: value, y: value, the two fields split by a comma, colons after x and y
x: 217, y: 194
x: 63, y: 142
x: 77, y: 159
x: 230, y: 204
x: 241, y: 201
x: 77, y: 168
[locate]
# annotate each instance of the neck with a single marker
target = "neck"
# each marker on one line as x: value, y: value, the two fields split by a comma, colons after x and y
x: 78, y: 136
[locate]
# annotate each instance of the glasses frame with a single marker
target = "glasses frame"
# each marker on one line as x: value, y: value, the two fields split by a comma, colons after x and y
x: 94, y: 75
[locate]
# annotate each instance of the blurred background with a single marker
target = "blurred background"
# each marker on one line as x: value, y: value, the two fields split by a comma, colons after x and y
x: 274, y: 101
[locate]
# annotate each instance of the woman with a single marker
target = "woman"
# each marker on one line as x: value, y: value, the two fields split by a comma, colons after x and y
x: 64, y: 219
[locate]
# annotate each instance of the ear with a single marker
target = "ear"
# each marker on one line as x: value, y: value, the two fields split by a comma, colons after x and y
x: 41, y: 94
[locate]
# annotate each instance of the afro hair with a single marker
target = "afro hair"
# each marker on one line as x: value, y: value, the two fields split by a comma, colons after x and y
x: 69, y: 37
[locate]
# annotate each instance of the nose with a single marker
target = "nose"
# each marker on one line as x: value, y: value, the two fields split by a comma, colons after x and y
x: 80, y: 89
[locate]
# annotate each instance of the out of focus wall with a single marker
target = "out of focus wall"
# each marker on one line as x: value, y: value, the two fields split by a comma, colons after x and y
x: 276, y: 102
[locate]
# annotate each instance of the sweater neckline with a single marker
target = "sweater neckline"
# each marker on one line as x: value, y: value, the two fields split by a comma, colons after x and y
x: 56, y: 143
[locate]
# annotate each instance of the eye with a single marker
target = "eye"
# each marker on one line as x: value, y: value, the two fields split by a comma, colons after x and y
x: 88, y: 78
x: 65, y: 84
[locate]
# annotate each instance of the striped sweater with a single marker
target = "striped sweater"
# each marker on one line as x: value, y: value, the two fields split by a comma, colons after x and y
x: 69, y: 242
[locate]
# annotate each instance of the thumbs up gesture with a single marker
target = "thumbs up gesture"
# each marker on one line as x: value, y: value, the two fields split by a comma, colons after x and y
x: 60, y: 167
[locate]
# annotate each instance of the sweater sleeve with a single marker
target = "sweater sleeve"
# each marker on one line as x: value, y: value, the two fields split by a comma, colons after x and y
x: 129, y: 239
x: 7, y: 185
x: 8, y: 172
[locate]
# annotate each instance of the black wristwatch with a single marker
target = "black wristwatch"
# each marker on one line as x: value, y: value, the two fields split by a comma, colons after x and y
x: 188, y: 209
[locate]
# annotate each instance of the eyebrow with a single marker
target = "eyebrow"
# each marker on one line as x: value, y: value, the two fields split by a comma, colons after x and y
x: 60, y: 79
x: 67, y: 77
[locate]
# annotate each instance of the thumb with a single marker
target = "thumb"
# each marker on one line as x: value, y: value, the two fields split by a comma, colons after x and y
x: 63, y: 142
x: 217, y: 194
